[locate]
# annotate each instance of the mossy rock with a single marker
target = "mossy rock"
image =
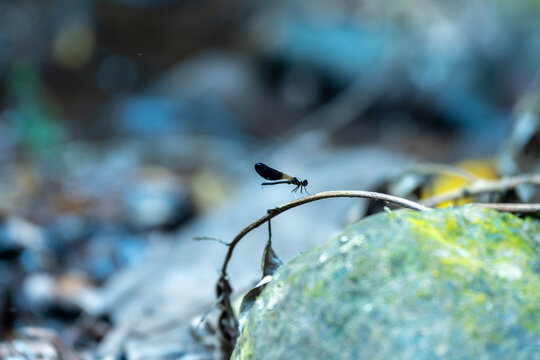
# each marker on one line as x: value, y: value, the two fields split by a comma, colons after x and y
x: 460, y: 283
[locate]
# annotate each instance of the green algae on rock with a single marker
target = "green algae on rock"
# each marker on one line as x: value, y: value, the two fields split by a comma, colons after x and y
x: 460, y: 283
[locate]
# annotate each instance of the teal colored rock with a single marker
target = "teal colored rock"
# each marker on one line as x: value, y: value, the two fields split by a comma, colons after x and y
x: 460, y: 283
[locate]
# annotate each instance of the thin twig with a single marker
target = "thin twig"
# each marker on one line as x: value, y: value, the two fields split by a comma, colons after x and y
x: 269, y: 231
x: 483, y: 186
x: 212, y: 238
x: 322, y: 195
x: 513, y: 208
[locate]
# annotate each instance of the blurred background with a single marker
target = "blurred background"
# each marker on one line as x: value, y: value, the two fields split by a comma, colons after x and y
x: 129, y: 126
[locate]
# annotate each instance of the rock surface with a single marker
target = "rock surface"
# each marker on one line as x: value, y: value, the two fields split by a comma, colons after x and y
x: 460, y: 283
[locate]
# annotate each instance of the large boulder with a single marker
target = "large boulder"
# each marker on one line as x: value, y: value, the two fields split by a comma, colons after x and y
x: 460, y: 283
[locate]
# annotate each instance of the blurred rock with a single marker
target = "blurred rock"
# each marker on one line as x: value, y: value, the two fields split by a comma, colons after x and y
x: 109, y: 249
x: 156, y: 198
x: 209, y: 189
x: 74, y: 44
x: 17, y: 235
x: 39, y: 292
x: 75, y: 287
x: 69, y: 228
x: 61, y: 297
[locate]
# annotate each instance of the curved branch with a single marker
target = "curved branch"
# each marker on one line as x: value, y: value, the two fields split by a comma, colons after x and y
x: 319, y: 196
x: 483, y: 186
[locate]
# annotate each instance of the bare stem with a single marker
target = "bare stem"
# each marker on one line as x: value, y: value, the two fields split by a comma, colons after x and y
x: 483, y: 186
x: 269, y: 231
x: 513, y: 208
x: 211, y: 238
x: 322, y: 195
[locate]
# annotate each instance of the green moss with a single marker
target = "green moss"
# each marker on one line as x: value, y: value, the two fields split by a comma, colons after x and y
x: 317, y: 289
x: 502, y: 257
